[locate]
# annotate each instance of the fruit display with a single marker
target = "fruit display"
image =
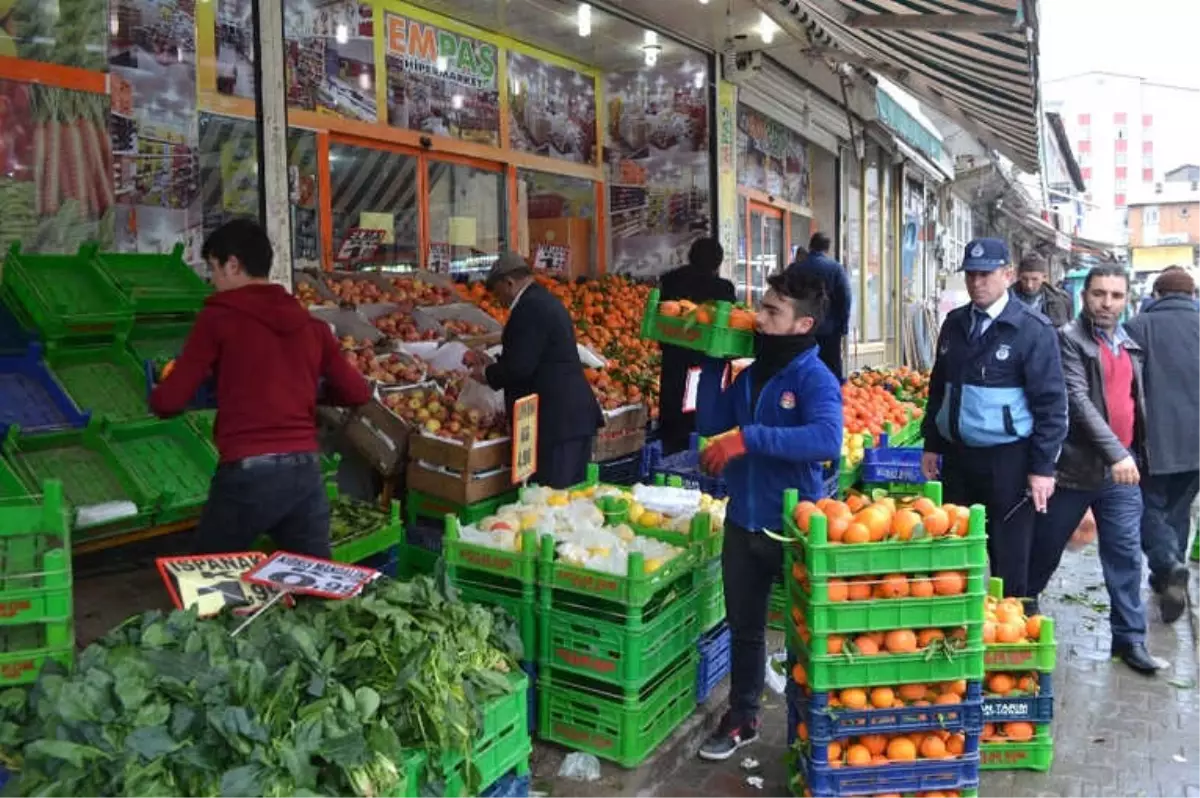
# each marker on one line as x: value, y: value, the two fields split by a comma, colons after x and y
x: 377, y: 288
x: 869, y: 407
x: 438, y: 412
x: 463, y: 329
x: 859, y: 519
x: 1005, y: 622
x: 882, y: 749
x: 905, y: 383
x: 401, y: 326
x: 308, y: 296
x: 741, y: 316
x: 387, y: 368
x: 854, y: 444
x: 349, y: 343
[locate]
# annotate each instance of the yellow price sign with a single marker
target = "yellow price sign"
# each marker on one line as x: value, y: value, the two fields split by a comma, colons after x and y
x: 212, y: 582
x: 524, y: 436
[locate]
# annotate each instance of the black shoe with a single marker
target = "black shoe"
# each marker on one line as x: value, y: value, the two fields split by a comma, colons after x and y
x: 1138, y: 658
x: 1172, y: 600
x: 1031, y: 607
x: 728, y: 738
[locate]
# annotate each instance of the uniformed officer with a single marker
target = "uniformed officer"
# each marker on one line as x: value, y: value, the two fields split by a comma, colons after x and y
x: 997, y: 410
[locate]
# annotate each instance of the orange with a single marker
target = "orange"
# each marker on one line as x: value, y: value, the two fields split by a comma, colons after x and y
x: 802, y: 730
x: 1019, y: 731
x: 835, y: 752
x: 949, y: 583
x: 857, y: 756
x: 876, y: 520
x: 834, y: 644
x: 955, y: 744
x: 866, y: 646
x: 837, y: 590
x: 947, y: 698
x: 903, y: 523
x: 799, y: 675
x: 937, y: 523
x: 958, y: 688
x: 892, y: 586
x: 836, y: 509
x: 837, y: 528
x: 1000, y: 684
x: 802, y: 515
x: 912, y: 692
x: 927, y: 636
x: 920, y: 587
x: 875, y: 743
x: 882, y: 698
x: 855, y: 502
x: 933, y: 748
x: 854, y: 698
x: 989, y: 731
x: 962, y: 521
x: 856, y: 533
x: 1028, y: 684
x: 923, y: 505
x: 1010, y: 613
x: 1033, y: 627
x: 799, y: 572
x: 989, y: 632
x: 860, y: 589
x: 901, y: 641
x: 1010, y: 632
x: 879, y: 760
x: 901, y: 749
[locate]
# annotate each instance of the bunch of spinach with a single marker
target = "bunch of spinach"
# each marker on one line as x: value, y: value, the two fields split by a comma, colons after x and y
x: 328, y: 698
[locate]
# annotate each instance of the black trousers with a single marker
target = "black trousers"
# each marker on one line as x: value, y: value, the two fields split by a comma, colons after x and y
x: 831, y: 354
x: 562, y: 464
x: 998, y: 478
x: 750, y: 564
x: 282, y: 496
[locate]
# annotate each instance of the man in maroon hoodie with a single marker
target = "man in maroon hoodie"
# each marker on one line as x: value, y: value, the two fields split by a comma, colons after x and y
x: 267, y: 356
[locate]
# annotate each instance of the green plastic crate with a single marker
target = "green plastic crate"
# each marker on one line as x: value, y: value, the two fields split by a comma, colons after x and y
x: 157, y: 340
x: 66, y: 297
x: 156, y: 284
x: 896, y: 613
x: 585, y: 715
x: 710, y: 595
x: 1037, y: 754
x: 170, y: 459
x: 520, y: 603
x: 627, y: 653
x: 88, y: 471
x: 838, y: 671
x: 422, y: 505
x: 925, y: 555
x: 23, y: 637
x: 491, y: 760
x: 24, y: 667
x: 777, y: 608
x: 204, y: 422
x: 35, y: 558
x: 716, y: 339
x: 103, y: 380
x: 413, y: 765
x: 417, y: 561
x: 11, y: 486
x: 519, y: 566
x: 369, y: 542
x: 1040, y: 656
x: 637, y: 588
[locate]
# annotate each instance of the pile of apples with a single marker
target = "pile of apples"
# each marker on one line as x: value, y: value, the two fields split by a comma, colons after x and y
x: 439, y: 414
x: 389, y: 368
x: 356, y: 292
x: 463, y: 329
x: 350, y: 343
x: 307, y: 296
x: 401, y: 326
x: 419, y: 292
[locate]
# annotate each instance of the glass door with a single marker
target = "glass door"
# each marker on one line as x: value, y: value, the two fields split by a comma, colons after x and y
x: 375, y: 207
x: 765, y: 237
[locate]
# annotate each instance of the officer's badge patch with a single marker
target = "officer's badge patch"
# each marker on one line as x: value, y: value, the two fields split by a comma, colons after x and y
x: 977, y: 251
x: 1002, y: 352
x: 788, y: 400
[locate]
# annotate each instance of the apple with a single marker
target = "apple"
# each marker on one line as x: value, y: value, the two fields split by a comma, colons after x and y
x: 433, y: 425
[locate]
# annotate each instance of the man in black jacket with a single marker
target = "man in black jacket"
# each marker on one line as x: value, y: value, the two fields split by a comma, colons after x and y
x: 1034, y: 289
x: 699, y: 283
x: 540, y: 356
x: 836, y: 326
x: 1168, y: 331
x: 1097, y: 468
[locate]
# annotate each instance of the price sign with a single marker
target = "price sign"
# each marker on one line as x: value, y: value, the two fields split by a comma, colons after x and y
x: 360, y: 244
x: 552, y: 257
x: 439, y: 257
x: 524, y: 435
x: 298, y: 573
x: 212, y: 582
x: 690, y: 389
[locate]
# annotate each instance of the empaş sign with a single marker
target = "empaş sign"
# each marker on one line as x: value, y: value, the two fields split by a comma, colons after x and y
x: 428, y: 49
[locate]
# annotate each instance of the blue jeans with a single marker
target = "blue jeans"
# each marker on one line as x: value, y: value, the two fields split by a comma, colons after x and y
x: 1118, y: 512
x: 1166, y: 520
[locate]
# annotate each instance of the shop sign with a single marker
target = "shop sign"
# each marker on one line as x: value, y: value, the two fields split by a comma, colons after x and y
x: 360, y: 245
x: 299, y: 573
x: 524, y: 435
x: 552, y: 257
x: 425, y: 48
x: 212, y: 582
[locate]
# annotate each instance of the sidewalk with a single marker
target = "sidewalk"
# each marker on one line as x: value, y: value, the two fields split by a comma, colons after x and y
x: 1116, y: 733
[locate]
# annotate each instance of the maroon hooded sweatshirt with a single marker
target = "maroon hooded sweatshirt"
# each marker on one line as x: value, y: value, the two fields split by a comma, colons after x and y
x: 267, y: 355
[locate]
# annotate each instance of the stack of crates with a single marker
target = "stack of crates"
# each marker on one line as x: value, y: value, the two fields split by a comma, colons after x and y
x: 894, y: 467
x: 885, y: 647
x: 36, y: 617
x: 424, y: 519
x: 1018, y: 704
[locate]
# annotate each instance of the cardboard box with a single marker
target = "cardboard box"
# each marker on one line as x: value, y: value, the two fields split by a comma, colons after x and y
x: 483, y: 456
x: 624, y: 433
x: 464, y: 487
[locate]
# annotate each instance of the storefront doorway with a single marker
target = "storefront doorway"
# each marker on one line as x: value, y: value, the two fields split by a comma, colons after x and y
x: 764, y: 236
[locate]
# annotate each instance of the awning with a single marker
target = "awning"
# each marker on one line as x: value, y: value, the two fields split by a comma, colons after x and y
x: 972, y: 60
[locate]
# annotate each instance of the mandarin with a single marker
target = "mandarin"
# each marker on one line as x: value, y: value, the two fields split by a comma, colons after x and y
x: 901, y: 641
x: 901, y: 749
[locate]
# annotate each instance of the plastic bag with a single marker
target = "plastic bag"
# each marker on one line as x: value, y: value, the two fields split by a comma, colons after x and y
x: 776, y: 680
x: 578, y: 766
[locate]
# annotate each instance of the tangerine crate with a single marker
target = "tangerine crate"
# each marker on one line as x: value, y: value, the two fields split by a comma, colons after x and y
x: 159, y: 284
x: 1041, y: 656
x: 66, y: 297
x: 891, y: 613
x: 517, y: 599
x: 715, y: 338
x: 826, y: 723
x: 839, y: 671
x: 1037, y: 754
x: 23, y: 667
x: 520, y: 566
x: 1036, y: 708
x: 158, y: 340
x: 170, y: 459
x: 613, y: 648
x: 31, y: 397
x: 777, y: 608
x: 621, y: 726
x: 89, y: 473
x: 715, y: 653
x: 35, y: 559
x: 884, y: 464
x: 824, y: 559
x: 103, y: 380
x: 636, y: 588
x: 424, y: 505
x: 924, y: 775
x: 710, y: 595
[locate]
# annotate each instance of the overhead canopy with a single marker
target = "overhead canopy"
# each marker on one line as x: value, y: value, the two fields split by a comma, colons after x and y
x: 972, y: 60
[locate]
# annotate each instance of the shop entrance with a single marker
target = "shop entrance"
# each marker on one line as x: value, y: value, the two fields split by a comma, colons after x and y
x: 764, y: 251
x: 398, y: 208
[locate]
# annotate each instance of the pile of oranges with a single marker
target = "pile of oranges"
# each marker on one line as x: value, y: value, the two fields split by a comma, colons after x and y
x: 867, y: 408
x: 1011, y: 685
x: 1004, y: 621
x: 873, y: 644
x: 884, y: 749
x: 887, y: 586
x: 1017, y: 731
x: 916, y: 694
x: 859, y: 520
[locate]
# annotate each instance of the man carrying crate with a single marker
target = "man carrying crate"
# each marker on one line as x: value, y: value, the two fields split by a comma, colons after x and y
x: 775, y: 424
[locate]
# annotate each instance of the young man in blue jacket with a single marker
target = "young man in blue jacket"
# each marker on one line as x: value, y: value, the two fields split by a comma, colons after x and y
x: 775, y: 424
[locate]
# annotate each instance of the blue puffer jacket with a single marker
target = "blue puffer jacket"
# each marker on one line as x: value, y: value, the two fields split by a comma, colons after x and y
x: 795, y: 426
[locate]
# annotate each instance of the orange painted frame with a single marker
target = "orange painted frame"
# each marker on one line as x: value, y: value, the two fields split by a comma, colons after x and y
x: 766, y: 210
x: 56, y: 75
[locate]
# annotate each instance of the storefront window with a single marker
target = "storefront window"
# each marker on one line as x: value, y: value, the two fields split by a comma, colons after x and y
x: 874, y: 272
x: 374, y: 189
x: 802, y: 230
x: 560, y: 217
x: 467, y: 226
x: 551, y: 109
x: 854, y: 231
x: 772, y: 158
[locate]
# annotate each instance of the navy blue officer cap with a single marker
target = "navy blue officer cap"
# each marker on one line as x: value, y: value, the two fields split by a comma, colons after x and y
x: 985, y: 255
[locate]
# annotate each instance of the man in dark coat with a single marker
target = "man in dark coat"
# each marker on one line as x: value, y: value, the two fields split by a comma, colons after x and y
x: 836, y: 326
x: 698, y: 282
x: 540, y: 356
x: 1034, y: 289
x: 1168, y: 331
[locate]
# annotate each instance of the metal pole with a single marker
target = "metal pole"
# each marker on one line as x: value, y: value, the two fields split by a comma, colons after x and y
x: 270, y: 98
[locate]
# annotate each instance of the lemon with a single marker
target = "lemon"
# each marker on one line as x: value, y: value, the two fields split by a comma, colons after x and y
x: 653, y: 564
x: 635, y: 511
x: 557, y: 500
x: 649, y: 518
x: 530, y: 520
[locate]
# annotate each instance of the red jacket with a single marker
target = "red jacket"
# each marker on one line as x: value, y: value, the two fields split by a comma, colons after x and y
x: 267, y: 355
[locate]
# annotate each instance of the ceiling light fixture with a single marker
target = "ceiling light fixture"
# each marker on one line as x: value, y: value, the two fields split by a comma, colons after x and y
x: 650, y: 47
x: 342, y: 34
x: 767, y: 28
x: 584, y: 17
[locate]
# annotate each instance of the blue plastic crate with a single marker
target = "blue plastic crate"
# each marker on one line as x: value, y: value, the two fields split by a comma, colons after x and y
x: 1035, y: 709
x: 15, y: 338
x: 206, y: 394
x: 31, y: 396
x: 827, y: 723
x: 685, y: 465
x: 387, y: 562
x: 891, y: 464
x: 715, y: 651
x: 530, y: 669
x: 622, y: 470
x: 922, y: 775
x: 512, y: 785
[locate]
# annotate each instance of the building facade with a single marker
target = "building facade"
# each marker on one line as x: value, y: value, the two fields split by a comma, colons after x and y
x: 1164, y: 227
